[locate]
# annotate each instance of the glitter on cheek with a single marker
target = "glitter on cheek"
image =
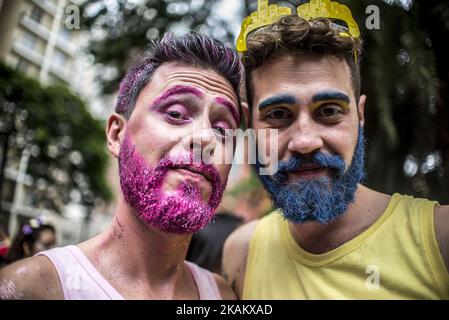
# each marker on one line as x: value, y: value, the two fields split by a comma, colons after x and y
x: 181, y: 212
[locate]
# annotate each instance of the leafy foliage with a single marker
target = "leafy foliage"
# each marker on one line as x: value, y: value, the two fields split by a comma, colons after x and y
x: 405, y: 78
x: 67, y: 145
x: 122, y: 29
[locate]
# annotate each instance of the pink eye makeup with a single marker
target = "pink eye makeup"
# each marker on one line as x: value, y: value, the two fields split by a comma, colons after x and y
x: 180, y: 104
x: 174, y: 94
x: 176, y: 113
x: 177, y: 91
x: 221, y: 127
x: 230, y: 106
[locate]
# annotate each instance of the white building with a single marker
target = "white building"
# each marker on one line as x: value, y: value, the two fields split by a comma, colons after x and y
x: 39, y: 38
x: 36, y: 40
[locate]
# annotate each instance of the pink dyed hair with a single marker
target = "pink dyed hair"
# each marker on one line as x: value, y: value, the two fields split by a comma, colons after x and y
x: 192, y: 48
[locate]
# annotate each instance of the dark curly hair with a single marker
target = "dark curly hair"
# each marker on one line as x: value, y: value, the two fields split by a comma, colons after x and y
x: 27, y: 236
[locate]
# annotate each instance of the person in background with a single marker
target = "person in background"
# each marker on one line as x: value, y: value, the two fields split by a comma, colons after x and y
x: 5, y: 243
x: 206, y: 247
x: 33, y: 237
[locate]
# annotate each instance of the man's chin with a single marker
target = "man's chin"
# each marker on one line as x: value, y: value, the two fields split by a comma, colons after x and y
x: 178, y: 213
x: 296, y: 217
x: 202, y: 195
x: 315, y: 202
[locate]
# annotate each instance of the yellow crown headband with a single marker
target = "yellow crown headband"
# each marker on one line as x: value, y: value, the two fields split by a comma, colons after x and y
x: 268, y: 14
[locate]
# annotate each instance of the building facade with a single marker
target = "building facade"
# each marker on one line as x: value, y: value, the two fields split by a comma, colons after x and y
x: 39, y: 39
x: 36, y: 39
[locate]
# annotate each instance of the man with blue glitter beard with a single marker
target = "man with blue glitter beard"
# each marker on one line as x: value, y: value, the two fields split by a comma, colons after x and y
x: 330, y: 237
x: 321, y: 199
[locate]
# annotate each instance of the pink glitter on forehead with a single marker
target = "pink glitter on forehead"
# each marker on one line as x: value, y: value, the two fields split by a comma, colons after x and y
x: 181, y: 212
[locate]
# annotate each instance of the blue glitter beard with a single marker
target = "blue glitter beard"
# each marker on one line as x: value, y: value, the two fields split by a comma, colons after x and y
x: 323, y: 199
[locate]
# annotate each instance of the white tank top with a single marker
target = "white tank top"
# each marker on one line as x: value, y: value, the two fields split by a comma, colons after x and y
x: 80, y: 280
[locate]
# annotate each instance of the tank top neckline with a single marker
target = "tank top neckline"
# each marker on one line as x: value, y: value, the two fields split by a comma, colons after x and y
x: 94, y: 273
x: 316, y: 260
x: 106, y: 285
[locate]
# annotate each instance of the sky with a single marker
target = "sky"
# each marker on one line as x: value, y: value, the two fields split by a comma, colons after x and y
x: 231, y: 12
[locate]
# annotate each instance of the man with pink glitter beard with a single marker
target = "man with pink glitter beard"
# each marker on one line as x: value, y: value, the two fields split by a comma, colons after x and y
x: 167, y: 191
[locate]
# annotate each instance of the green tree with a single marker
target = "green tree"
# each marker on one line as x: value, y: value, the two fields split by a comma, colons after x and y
x: 67, y: 146
x: 405, y: 75
x: 122, y: 29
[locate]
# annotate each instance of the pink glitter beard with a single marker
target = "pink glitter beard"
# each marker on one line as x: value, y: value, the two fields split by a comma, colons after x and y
x: 183, y: 212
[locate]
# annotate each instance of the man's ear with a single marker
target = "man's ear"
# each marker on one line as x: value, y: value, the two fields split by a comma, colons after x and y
x: 361, y: 110
x: 115, y: 133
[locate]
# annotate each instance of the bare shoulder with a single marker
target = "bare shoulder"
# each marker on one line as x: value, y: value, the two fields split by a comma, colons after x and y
x: 225, y: 289
x: 31, y: 278
x: 442, y: 231
x: 235, y: 253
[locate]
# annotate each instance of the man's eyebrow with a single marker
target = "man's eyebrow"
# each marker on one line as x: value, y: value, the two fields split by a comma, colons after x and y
x: 277, y: 99
x: 231, y: 107
x: 331, y: 95
x: 178, y: 90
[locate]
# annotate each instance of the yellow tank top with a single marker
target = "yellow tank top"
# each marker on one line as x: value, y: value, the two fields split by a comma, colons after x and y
x: 396, y: 258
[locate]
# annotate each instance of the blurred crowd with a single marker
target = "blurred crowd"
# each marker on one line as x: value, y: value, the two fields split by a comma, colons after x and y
x: 35, y: 235
x: 244, y: 201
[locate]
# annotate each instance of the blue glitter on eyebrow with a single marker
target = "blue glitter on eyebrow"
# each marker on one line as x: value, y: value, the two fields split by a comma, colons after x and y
x: 278, y: 99
x: 331, y: 95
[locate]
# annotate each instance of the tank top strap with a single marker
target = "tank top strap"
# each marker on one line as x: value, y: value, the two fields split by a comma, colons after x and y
x: 81, y: 281
x: 78, y: 277
x: 205, y: 282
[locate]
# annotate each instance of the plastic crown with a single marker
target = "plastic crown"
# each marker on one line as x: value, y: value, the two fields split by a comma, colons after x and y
x: 268, y: 14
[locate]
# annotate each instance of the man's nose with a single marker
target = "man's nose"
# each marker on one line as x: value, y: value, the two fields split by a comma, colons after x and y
x: 306, y: 137
x: 202, y: 142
